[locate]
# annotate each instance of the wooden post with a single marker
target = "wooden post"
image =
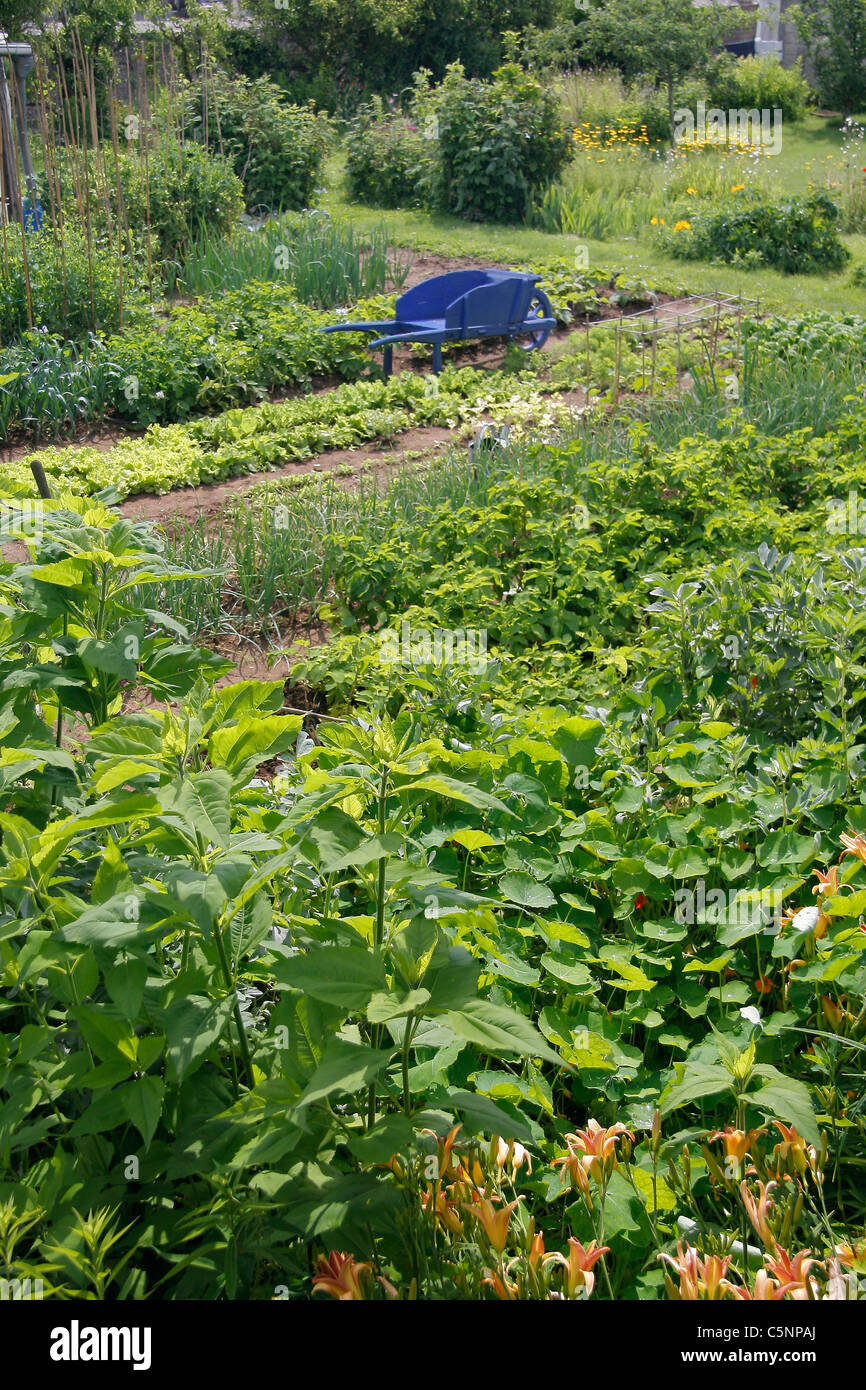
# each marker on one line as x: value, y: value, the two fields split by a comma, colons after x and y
x: 12, y: 208
x: 40, y: 479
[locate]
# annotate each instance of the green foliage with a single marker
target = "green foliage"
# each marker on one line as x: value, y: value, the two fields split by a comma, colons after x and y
x: 796, y: 235
x: 231, y: 347
x: 386, y: 157
x: 834, y: 32
x: 499, y: 143
x: 666, y: 39
x: 756, y: 83
x: 14, y: 14
x: 48, y: 386
x: 263, y: 437
x: 376, y: 47
x: 581, y: 205
x: 328, y: 263
x: 552, y: 898
x: 606, y: 101
x: 276, y: 148
x: 168, y: 194
x: 146, y: 889
x: 74, y: 288
x: 182, y: 190
x: 818, y: 336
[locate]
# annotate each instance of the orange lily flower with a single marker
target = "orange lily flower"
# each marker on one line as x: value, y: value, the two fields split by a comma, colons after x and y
x: 737, y: 1142
x: 766, y: 1289
x: 794, y: 1273
x: 854, y: 844
x: 699, y: 1278
x: 759, y: 1211
x: 595, y: 1148
x: 793, y: 1148
x: 469, y: 1175
x: 851, y: 1255
x: 495, y: 1220
x: 574, y: 1171
x: 339, y: 1275
x: 504, y: 1290
x: 444, y: 1211
x: 444, y: 1147
x: 578, y: 1264
x: 828, y: 883
x: 536, y: 1252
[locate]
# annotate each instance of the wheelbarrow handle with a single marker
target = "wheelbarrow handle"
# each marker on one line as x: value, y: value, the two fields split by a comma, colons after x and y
x: 380, y: 326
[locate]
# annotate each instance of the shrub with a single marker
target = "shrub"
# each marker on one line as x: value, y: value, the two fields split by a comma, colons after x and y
x: 754, y: 83
x: 186, y: 188
x: 276, y: 148
x: 500, y: 142
x: 795, y: 235
x: 180, y: 189
x: 73, y: 290
x: 385, y: 154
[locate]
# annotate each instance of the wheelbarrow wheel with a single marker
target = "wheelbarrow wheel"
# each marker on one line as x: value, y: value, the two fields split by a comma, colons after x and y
x: 539, y: 308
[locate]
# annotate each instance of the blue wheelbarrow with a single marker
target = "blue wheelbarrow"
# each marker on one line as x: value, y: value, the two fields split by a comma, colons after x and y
x: 462, y: 304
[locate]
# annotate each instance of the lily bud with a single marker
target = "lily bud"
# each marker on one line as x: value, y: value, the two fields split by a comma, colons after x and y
x: 656, y: 1133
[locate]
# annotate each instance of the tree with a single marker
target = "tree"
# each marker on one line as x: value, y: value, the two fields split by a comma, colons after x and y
x: 666, y: 39
x: 14, y: 14
x: 382, y: 42
x: 834, y: 32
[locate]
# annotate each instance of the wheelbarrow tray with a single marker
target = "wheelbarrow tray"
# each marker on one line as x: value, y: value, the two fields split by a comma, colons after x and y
x: 460, y: 305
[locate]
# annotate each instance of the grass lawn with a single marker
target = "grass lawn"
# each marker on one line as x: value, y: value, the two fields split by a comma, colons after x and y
x: 807, y: 150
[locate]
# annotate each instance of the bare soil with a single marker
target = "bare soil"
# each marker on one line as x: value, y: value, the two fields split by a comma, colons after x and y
x: 208, y: 500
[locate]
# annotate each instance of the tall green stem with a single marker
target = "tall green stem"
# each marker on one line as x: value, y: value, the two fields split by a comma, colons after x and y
x: 230, y: 985
x: 379, y: 935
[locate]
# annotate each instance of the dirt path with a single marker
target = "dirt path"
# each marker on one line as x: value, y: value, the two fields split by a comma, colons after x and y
x: 208, y: 500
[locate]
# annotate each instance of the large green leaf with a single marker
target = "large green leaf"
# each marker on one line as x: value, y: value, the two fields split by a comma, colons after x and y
x: 784, y: 1098
x: 495, y: 1029
x: 345, y: 1067
x: 526, y: 891
x: 193, y: 1025
x: 201, y: 805
x: 255, y: 738
x: 577, y: 739
x: 482, y: 1116
x: 344, y: 975
x: 698, y: 1081
x: 142, y: 1101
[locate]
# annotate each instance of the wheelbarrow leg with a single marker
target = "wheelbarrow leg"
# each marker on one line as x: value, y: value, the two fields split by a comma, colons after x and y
x: 388, y: 360
x: 437, y: 358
